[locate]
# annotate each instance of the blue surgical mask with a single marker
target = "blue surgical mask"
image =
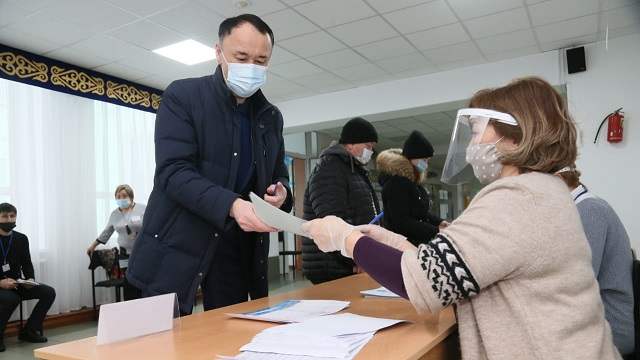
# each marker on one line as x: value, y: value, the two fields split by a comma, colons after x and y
x: 245, y: 79
x: 123, y: 203
x: 422, y: 165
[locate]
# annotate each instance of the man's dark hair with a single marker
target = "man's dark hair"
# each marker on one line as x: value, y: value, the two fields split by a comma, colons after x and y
x: 8, y: 208
x: 230, y: 23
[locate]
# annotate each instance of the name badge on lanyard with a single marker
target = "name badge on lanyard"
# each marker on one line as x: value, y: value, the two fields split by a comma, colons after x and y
x: 5, y: 253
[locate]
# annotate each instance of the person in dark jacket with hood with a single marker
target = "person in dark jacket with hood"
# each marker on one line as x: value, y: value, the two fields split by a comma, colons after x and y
x: 406, y: 203
x: 339, y: 186
x: 217, y: 139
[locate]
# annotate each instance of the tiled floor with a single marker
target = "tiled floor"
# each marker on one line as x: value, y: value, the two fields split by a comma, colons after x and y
x: 17, y: 350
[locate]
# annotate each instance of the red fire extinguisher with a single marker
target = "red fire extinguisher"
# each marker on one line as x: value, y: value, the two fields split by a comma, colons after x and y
x: 614, y: 127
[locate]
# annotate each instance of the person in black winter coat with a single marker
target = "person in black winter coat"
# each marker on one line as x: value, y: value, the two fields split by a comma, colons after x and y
x: 217, y: 139
x: 406, y: 203
x: 339, y: 186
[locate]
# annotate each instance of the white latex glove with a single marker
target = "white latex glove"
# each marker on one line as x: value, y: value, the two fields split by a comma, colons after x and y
x: 329, y: 233
x: 389, y: 238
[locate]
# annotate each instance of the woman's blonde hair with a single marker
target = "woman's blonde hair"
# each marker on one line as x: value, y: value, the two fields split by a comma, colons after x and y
x: 546, y: 135
x: 126, y: 189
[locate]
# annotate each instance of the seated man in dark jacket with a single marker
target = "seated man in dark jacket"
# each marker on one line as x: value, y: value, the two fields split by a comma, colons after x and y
x: 16, y: 261
x: 406, y: 203
x: 339, y: 186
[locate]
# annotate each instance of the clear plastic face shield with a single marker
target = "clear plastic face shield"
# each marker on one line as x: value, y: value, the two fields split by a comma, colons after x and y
x: 469, y: 130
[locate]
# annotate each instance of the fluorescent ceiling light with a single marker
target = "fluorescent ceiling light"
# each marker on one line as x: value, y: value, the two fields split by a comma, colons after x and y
x: 188, y: 52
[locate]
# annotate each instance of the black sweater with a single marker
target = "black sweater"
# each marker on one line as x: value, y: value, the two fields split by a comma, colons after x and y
x: 18, y: 256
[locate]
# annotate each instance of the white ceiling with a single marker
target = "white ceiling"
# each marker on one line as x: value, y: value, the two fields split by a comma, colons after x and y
x: 321, y: 45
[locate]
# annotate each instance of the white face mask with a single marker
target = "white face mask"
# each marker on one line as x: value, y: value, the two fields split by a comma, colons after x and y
x: 245, y: 79
x: 365, y: 157
x: 485, y: 162
x: 123, y: 203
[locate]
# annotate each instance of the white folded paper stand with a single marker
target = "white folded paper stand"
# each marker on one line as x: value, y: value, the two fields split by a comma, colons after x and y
x: 134, y: 318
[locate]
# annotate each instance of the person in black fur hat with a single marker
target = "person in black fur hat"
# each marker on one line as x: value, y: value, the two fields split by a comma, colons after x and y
x: 406, y: 202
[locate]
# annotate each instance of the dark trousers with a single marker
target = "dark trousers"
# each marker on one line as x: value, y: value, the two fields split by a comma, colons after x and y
x: 230, y: 277
x: 130, y: 292
x: 10, y: 299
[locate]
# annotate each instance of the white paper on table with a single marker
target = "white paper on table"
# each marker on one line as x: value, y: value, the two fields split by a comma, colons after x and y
x: 381, y: 292
x: 339, y: 336
x: 295, y: 345
x: 335, y: 325
x: 290, y: 311
x: 275, y: 217
x: 134, y: 318
x: 251, y: 355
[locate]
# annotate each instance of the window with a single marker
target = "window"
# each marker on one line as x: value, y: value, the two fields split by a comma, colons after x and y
x: 124, y: 154
x: 5, y: 166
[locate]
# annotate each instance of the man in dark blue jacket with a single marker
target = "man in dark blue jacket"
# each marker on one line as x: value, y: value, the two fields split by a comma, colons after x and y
x: 217, y: 139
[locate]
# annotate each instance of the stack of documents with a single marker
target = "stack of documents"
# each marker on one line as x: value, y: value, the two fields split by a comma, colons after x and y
x: 339, y: 336
x: 380, y: 292
x: 294, y: 310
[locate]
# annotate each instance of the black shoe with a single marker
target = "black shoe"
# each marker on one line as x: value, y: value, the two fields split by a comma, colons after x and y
x: 31, y: 336
x: 2, y: 347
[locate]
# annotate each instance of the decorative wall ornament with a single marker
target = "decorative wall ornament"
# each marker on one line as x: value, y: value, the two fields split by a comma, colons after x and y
x: 17, y: 65
x: 32, y: 69
x: 155, y: 101
x: 128, y: 94
x: 77, y: 80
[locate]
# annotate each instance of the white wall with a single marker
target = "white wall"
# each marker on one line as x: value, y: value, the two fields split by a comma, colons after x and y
x: 611, y: 171
x: 295, y: 143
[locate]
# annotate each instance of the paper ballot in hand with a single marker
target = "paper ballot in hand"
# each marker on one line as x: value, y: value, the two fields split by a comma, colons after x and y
x: 275, y: 217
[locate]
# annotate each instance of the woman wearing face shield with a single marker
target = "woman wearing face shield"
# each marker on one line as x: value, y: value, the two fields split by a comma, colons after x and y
x: 406, y: 202
x: 516, y: 261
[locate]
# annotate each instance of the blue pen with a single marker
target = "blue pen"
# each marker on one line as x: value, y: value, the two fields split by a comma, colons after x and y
x: 377, y: 218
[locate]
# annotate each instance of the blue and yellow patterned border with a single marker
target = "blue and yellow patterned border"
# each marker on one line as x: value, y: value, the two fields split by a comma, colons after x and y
x: 32, y: 69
